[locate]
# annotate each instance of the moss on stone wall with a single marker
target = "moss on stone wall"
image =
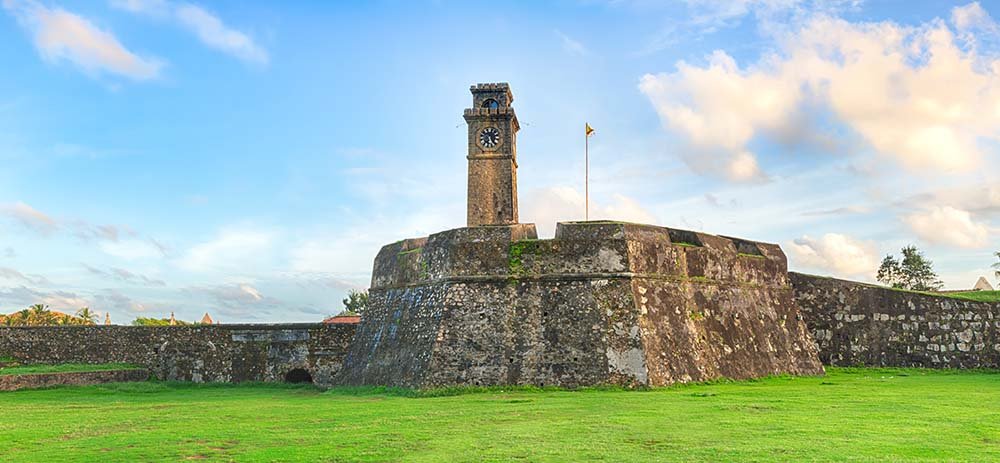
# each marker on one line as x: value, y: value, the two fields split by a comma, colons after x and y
x: 516, y: 253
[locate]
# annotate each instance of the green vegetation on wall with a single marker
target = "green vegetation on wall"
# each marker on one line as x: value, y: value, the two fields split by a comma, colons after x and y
x: 516, y: 252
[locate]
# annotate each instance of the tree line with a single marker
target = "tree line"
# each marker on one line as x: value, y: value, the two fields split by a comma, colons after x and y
x: 40, y: 315
x: 915, y: 272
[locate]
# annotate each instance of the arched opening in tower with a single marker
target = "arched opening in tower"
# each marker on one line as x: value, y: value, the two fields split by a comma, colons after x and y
x: 298, y: 375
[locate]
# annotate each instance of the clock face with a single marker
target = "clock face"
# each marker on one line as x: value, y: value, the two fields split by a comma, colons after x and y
x: 489, y: 137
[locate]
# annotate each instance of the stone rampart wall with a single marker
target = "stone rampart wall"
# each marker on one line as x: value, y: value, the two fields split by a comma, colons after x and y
x: 602, y: 303
x: 225, y: 353
x: 79, y: 378
x: 860, y: 324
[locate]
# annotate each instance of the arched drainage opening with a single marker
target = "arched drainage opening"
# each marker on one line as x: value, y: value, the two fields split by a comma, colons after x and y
x: 298, y: 375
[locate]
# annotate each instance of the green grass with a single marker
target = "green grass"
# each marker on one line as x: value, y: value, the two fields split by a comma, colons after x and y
x: 63, y: 368
x: 848, y: 415
x: 980, y: 296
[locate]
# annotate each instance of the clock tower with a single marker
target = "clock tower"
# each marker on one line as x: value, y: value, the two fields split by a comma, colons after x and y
x: 492, y: 156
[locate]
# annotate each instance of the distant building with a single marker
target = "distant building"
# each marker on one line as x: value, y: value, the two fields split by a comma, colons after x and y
x: 982, y: 284
x: 207, y: 319
x: 173, y: 321
x: 107, y: 319
x: 343, y: 319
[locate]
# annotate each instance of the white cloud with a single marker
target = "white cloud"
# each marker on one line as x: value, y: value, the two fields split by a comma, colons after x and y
x: 546, y: 207
x: 142, y: 6
x: 30, y: 218
x: 914, y: 94
x: 108, y: 237
x: 130, y: 249
x: 950, y: 226
x: 719, y: 12
x: 972, y: 17
x: 21, y: 297
x: 121, y: 274
x: 709, y: 16
x: 61, y: 35
x: 13, y: 275
x: 571, y: 45
x: 240, y: 300
x: 209, y: 29
x: 349, y: 256
x: 114, y: 300
x: 839, y: 254
x: 250, y: 291
x: 233, y: 250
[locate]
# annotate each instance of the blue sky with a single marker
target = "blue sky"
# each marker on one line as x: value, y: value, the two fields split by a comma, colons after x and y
x: 248, y: 159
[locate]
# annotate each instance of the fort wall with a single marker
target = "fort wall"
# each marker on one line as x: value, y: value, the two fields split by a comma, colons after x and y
x: 860, y: 324
x: 602, y: 303
x: 79, y: 378
x: 225, y: 353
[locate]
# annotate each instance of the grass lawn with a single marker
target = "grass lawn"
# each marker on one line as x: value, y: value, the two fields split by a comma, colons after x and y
x: 848, y: 415
x: 63, y: 368
x: 981, y: 296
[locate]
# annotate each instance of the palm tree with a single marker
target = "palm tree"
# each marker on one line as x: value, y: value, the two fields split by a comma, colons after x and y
x: 20, y: 318
x: 86, y: 316
x: 39, y: 314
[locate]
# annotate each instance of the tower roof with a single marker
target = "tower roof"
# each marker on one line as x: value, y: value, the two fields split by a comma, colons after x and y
x: 493, y: 87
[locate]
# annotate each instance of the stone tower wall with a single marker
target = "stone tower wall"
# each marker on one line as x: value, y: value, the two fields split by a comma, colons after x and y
x: 493, y: 196
x: 602, y: 303
x: 492, y: 181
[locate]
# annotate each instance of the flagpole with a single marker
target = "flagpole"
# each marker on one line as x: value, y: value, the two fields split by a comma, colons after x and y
x: 586, y: 174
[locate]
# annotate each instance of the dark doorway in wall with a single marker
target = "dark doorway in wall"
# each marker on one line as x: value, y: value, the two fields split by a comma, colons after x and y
x: 298, y: 375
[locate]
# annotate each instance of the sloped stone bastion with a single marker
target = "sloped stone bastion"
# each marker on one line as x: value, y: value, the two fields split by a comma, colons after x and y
x: 602, y: 303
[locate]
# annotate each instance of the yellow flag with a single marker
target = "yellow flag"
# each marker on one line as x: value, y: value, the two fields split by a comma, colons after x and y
x: 589, y: 129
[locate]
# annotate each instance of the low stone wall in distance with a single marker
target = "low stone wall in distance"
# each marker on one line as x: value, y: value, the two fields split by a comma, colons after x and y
x: 223, y: 353
x: 860, y: 324
x: 76, y: 378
